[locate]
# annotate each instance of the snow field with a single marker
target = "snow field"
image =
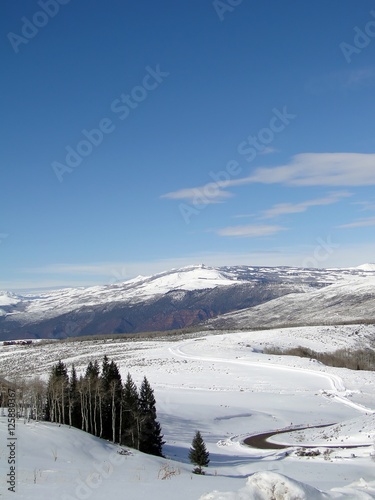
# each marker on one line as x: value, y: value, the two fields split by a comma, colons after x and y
x: 223, y: 386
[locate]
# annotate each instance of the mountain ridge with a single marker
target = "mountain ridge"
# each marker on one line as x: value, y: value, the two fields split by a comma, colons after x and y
x: 179, y: 298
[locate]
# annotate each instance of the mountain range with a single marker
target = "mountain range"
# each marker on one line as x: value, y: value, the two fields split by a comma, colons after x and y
x: 234, y: 297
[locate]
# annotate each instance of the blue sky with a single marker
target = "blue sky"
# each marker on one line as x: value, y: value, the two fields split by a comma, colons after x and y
x: 141, y: 136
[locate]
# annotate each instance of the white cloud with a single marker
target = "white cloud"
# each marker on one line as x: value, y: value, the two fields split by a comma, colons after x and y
x: 204, y: 195
x: 268, y: 150
x: 250, y: 231
x: 319, y: 169
x: 244, y: 216
x: 368, y: 221
x: 292, y: 208
x: 305, y: 169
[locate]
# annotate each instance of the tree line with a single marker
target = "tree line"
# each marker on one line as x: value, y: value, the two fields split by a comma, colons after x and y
x: 99, y: 402
x: 359, y: 359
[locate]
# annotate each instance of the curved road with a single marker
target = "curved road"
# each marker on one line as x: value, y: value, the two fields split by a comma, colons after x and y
x: 260, y: 440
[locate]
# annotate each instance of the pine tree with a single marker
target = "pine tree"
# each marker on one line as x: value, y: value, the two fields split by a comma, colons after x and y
x: 111, y: 391
x: 74, y: 402
x: 130, y: 414
x: 150, y: 436
x: 115, y: 388
x: 105, y: 404
x: 198, y: 454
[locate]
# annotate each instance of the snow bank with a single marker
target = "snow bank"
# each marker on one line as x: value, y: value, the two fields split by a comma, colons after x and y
x: 273, y: 486
x: 270, y: 485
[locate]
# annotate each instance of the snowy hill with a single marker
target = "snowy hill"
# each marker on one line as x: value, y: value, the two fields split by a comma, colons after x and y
x: 188, y: 296
x: 9, y: 298
x: 345, y: 301
x: 366, y: 267
x: 225, y: 386
x: 60, y: 462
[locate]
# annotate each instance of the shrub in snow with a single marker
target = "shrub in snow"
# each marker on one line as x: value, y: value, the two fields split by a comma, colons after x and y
x: 167, y: 472
x: 123, y: 451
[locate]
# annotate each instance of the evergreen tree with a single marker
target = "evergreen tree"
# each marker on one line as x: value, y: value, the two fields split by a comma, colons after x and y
x: 105, y: 404
x: 111, y: 396
x: 115, y: 388
x: 105, y: 368
x: 74, y: 400
x: 92, y: 369
x: 150, y: 437
x: 198, y: 454
x: 130, y: 414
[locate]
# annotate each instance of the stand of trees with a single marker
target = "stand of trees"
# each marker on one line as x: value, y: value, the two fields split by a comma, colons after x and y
x: 359, y: 359
x: 99, y: 403
x: 30, y: 397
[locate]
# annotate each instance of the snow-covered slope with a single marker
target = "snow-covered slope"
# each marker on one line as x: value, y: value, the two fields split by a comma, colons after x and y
x: 8, y: 298
x: 352, y: 299
x: 222, y: 385
x: 366, y: 267
x: 142, y: 288
x: 60, y: 462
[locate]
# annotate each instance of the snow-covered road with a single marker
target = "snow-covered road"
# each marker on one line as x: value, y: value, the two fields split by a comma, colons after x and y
x: 191, y: 350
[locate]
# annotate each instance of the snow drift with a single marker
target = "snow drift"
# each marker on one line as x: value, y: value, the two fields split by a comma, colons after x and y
x: 273, y: 486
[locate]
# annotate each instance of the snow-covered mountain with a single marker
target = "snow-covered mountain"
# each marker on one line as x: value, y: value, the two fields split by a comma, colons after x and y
x: 187, y: 296
x: 8, y: 298
x: 366, y: 267
x: 345, y: 301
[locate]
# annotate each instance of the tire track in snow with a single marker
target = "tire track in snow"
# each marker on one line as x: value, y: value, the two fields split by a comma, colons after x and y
x: 334, y: 380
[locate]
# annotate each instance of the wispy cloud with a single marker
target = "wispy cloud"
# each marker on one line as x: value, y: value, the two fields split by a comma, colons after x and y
x: 204, y: 195
x: 250, y: 231
x: 244, y: 216
x: 97, y: 269
x: 293, y: 208
x: 268, y: 150
x: 367, y: 221
x: 305, y: 169
x: 319, y: 169
x: 367, y: 206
